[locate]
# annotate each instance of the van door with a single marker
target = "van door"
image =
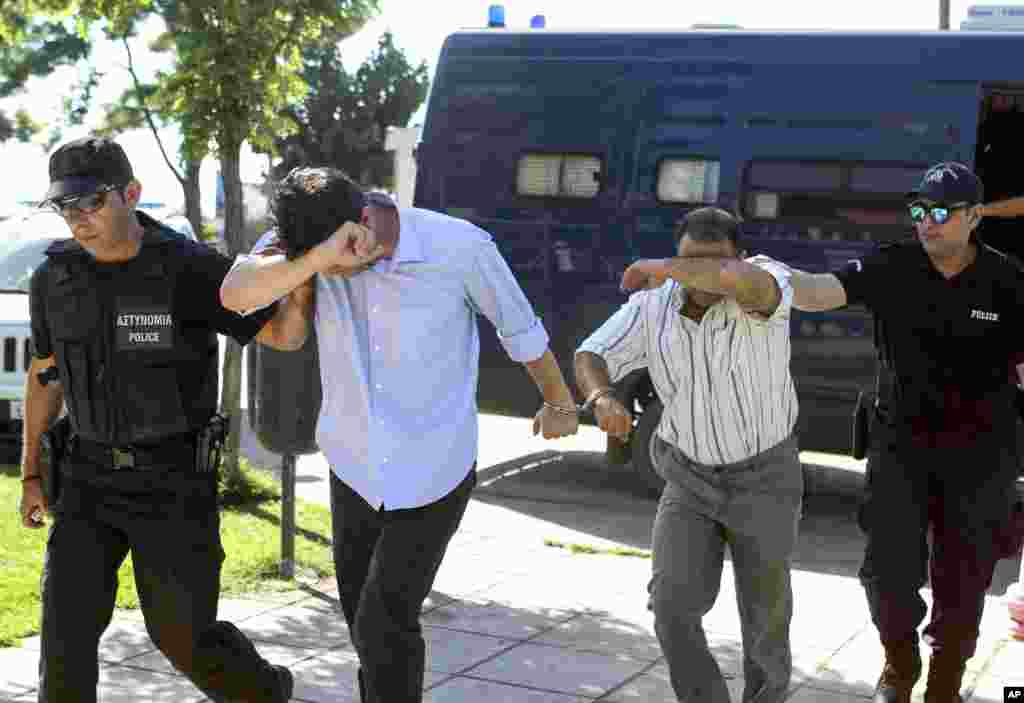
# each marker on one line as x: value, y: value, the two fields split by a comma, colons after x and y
x: 997, y: 164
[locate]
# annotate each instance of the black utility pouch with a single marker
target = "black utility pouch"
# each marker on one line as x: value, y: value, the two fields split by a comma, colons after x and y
x: 56, y: 443
x: 861, y: 436
x: 209, y: 443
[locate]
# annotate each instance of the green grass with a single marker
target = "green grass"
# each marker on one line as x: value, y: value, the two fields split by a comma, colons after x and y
x: 250, y: 532
x: 577, y: 548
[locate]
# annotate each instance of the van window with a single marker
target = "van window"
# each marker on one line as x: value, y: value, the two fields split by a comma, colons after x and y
x: 688, y: 181
x: 559, y: 175
x: 840, y: 193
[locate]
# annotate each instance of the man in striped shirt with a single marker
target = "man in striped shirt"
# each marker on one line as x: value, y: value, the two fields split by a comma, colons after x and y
x: 712, y: 329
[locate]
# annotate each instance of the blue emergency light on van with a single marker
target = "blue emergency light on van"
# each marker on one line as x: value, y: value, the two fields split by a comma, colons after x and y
x: 537, y: 22
x: 580, y: 151
x: 496, y: 16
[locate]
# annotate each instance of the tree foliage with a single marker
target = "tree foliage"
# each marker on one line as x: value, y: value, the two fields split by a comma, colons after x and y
x: 237, y: 65
x: 343, y: 119
x: 30, y: 47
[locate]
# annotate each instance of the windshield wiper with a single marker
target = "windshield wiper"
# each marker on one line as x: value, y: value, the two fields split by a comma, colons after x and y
x: 13, y: 290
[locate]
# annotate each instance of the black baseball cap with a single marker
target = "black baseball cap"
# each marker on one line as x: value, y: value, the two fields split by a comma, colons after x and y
x: 86, y: 165
x: 949, y: 182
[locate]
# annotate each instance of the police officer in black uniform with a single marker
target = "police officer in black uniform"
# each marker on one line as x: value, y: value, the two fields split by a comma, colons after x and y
x: 124, y: 323
x: 943, y: 453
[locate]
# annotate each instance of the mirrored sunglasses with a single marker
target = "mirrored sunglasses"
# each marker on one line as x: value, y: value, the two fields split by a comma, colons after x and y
x: 85, y: 204
x: 939, y: 213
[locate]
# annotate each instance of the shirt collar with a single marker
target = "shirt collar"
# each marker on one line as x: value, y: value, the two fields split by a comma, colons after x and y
x: 410, y: 243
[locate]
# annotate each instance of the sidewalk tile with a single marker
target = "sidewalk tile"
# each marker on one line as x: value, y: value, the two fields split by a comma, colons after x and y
x: 854, y: 668
x: 817, y: 695
x: 459, y: 578
x: 231, y: 609
x: 304, y: 626
x: 607, y: 634
x: 331, y: 678
x: 495, y: 619
x: 558, y: 669
x: 465, y: 690
x: 123, y: 639
x: 19, y: 671
x: 272, y: 652
x: 566, y: 592
x: 451, y: 651
x: 122, y: 684
x: 989, y: 687
x: 1008, y: 662
x: 655, y: 686
x: 436, y: 600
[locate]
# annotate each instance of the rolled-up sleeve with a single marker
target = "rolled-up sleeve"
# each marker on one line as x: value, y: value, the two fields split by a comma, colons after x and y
x: 782, y: 275
x: 493, y: 291
x: 265, y: 241
x: 621, y: 341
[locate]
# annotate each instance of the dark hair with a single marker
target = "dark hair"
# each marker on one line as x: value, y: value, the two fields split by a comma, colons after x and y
x: 310, y: 203
x: 709, y: 224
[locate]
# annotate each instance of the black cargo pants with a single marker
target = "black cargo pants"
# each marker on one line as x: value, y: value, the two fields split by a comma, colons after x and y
x: 386, y: 561
x: 965, y: 496
x: 168, y: 520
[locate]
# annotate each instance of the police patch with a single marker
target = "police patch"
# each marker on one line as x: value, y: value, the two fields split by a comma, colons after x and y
x: 140, y: 328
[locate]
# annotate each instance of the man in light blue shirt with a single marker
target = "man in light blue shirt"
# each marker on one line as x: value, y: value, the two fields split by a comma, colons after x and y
x: 394, y: 295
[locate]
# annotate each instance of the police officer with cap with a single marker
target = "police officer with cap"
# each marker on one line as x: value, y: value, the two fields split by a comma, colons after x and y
x: 943, y: 453
x: 124, y: 322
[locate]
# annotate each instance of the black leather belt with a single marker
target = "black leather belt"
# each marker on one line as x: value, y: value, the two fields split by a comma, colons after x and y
x: 179, y: 451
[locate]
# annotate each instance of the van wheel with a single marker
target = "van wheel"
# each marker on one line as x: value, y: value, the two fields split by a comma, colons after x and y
x: 640, y: 448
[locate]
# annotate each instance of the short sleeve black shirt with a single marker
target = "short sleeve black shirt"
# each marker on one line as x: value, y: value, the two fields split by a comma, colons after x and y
x: 195, y: 304
x: 951, y: 341
x: 197, y: 295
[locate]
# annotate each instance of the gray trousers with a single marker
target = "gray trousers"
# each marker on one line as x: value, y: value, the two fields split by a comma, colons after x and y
x: 754, y: 507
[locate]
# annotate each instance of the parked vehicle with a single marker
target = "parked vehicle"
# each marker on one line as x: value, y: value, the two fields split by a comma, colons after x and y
x: 579, y: 151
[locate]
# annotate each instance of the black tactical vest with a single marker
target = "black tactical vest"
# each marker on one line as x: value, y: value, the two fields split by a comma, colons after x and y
x: 122, y: 352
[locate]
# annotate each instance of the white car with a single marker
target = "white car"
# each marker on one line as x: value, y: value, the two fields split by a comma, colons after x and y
x: 23, y: 243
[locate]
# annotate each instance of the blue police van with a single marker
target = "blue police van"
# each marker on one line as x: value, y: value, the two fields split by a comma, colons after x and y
x: 580, y: 151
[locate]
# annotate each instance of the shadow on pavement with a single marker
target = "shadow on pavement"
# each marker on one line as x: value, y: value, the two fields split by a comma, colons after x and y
x: 580, y: 491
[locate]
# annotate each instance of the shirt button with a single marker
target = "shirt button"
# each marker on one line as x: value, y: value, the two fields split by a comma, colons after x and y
x: 376, y: 348
x: 384, y: 461
x: 380, y: 387
x: 375, y: 309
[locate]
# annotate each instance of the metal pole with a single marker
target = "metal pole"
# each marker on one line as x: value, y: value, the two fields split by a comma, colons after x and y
x: 288, y: 516
x: 943, y: 14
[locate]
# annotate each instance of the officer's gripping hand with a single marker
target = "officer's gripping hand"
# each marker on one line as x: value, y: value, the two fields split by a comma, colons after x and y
x: 33, y: 504
x: 553, y: 424
x: 613, y: 418
x: 352, y: 246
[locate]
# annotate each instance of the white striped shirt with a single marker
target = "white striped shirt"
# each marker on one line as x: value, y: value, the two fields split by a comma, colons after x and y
x: 724, y: 382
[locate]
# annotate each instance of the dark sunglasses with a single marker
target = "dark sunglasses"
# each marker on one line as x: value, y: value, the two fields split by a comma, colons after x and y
x: 84, y: 204
x: 939, y: 213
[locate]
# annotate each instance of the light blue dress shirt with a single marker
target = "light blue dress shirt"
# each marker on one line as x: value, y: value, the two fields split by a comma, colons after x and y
x: 399, y: 358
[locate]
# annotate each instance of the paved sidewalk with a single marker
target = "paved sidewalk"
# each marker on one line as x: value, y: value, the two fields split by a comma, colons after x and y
x: 512, y: 620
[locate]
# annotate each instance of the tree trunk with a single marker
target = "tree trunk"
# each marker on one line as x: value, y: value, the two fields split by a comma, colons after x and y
x: 231, y: 391
x: 193, y: 205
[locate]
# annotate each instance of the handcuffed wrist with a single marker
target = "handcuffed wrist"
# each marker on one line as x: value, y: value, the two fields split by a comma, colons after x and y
x: 595, y: 395
x: 561, y: 410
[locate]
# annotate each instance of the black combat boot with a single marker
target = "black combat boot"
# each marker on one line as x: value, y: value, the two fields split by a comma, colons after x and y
x: 286, y: 681
x: 902, y: 670
x: 945, y: 674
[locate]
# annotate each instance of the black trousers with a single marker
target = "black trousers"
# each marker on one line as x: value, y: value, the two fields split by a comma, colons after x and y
x: 965, y: 496
x: 386, y: 562
x: 168, y: 520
